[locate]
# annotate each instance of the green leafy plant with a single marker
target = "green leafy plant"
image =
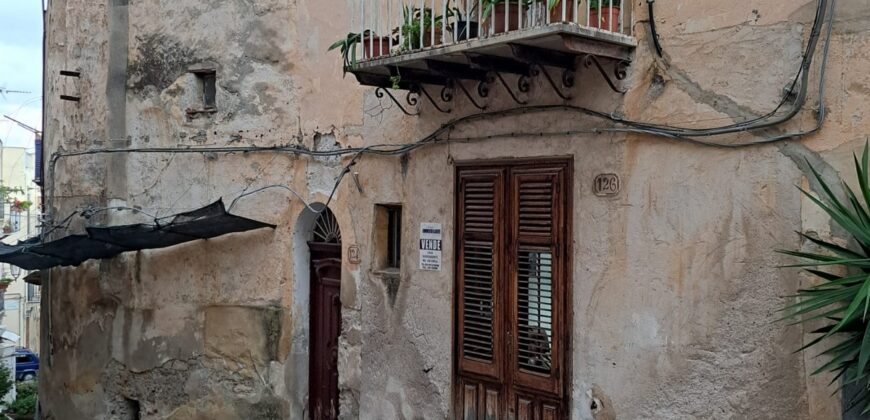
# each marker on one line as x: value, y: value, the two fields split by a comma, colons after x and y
x: 25, y: 400
x: 6, y: 382
x: 842, y: 298
x: 347, y: 46
x: 21, y: 205
x: 413, y: 30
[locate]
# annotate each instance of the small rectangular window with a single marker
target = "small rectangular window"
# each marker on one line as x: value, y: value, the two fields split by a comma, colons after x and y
x: 206, y: 80
x: 209, y: 91
x: 388, y: 236
x: 394, y: 237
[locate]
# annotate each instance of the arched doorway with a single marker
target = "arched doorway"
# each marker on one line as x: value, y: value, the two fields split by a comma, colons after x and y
x: 325, y: 316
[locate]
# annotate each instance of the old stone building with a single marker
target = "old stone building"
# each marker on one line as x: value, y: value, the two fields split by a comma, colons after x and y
x: 544, y: 257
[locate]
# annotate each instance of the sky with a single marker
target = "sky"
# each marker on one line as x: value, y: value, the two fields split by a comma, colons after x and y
x: 20, y: 69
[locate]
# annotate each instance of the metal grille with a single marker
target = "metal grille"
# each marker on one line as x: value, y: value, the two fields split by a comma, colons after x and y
x: 326, y: 228
x: 477, y: 302
x: 479, y: 206
x: 536, y: 208
x: 535, y: 309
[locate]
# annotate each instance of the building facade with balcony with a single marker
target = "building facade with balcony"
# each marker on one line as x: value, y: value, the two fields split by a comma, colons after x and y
x: 484, y: 209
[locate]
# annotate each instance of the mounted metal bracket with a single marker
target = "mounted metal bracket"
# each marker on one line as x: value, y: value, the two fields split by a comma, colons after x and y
x: 379, y: 92
x: 537, y: 69
x: 446, y: 96
x: 620, y: 71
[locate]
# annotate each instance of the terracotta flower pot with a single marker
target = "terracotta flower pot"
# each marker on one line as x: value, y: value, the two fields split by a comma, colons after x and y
x: 609, y: 19
x: 428, y: 41
x: 556, y: 13
x: 498, y: 12
x: 376, y: 47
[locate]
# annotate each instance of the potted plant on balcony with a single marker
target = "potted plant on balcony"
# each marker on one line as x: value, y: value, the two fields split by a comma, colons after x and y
x: 373, y: 46
x: 496, y: 10
x: 21, y: 205
x: 467, y: 25
x: 417, y: 25
x: 5, y: 282
x: 609, y: 14
x: 555, y: 8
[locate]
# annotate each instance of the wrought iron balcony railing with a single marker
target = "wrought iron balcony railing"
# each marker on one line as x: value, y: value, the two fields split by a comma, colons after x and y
x: 386, y: 28
x: 405, y: 44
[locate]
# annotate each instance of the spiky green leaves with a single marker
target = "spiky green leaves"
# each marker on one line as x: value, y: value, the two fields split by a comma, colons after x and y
x: 842, y: 300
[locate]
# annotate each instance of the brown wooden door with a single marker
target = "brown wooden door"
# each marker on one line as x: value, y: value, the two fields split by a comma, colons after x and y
x: 512, y: 291
x: 325, y: 329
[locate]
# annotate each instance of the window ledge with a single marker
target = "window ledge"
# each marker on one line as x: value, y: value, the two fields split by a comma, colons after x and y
x: 194, y: 112
x: 387, y: 273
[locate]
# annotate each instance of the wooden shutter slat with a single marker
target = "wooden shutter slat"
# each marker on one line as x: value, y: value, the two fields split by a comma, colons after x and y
x: 537, y: 304
x: 479, y: 207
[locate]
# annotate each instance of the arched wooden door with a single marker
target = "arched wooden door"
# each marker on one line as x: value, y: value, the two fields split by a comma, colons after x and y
x: 325, y: 317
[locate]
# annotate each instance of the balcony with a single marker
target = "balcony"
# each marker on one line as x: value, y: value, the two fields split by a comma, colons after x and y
x: 411, y: 44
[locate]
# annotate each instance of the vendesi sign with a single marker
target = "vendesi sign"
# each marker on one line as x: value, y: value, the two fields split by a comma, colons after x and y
x: 430, y: 246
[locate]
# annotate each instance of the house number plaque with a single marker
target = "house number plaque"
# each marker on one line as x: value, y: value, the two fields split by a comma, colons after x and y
x: 606, y: 185
x: 353, y: 254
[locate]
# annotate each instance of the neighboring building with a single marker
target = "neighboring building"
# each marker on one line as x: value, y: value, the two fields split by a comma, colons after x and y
x: 21, y: 300
x: 529, y: 260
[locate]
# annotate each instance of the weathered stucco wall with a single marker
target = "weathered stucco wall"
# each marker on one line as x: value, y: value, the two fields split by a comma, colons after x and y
x: 674, y: 279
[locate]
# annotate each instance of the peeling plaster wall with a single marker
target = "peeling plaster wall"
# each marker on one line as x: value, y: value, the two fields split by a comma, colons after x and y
x: 675, y: 284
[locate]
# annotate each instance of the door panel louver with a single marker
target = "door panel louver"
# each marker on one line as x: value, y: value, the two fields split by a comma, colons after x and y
x: 478, y: 272
x: 535, y: 310
x: 536, y: 207
x: 479, y: 201
x: 477, y: 305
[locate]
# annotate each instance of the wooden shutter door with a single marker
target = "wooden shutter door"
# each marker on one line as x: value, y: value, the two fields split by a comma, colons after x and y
x: 480, y: 345
x: 537, y: 292
x: 511, y: 291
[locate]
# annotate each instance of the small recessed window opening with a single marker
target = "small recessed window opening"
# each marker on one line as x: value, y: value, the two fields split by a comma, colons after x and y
x: 206, y: 80
x: 394, y: 237
x: 388, y: 237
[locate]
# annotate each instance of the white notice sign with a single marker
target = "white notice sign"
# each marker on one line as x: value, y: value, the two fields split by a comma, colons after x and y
x: 430, y: 246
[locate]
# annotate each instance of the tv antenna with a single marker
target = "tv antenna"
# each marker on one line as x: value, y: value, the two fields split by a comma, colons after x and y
x: 4, y: 91
x: 23, y: 125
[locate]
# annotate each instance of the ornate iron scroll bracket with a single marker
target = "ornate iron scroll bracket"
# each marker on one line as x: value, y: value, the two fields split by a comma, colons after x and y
x: 379, y: 92
x: 446, y: 96
x: 538, y: 69
x: 620, y: 71
x: 510, y: 91
x: 483, y: 87
x: 468, y: 95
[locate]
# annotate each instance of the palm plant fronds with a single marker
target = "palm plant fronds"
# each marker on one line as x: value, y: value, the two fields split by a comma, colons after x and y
x: 841, y: 301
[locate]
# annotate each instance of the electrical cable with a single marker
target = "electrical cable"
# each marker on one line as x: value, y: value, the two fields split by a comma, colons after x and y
x: 629, y: 126
x: 307, y: 205
x: 652, y: 28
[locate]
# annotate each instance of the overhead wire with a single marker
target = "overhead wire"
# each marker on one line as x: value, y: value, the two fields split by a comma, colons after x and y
x: 685, y: 134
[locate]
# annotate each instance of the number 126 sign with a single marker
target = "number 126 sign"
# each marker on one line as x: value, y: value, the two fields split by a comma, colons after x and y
x: 606, y: 185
